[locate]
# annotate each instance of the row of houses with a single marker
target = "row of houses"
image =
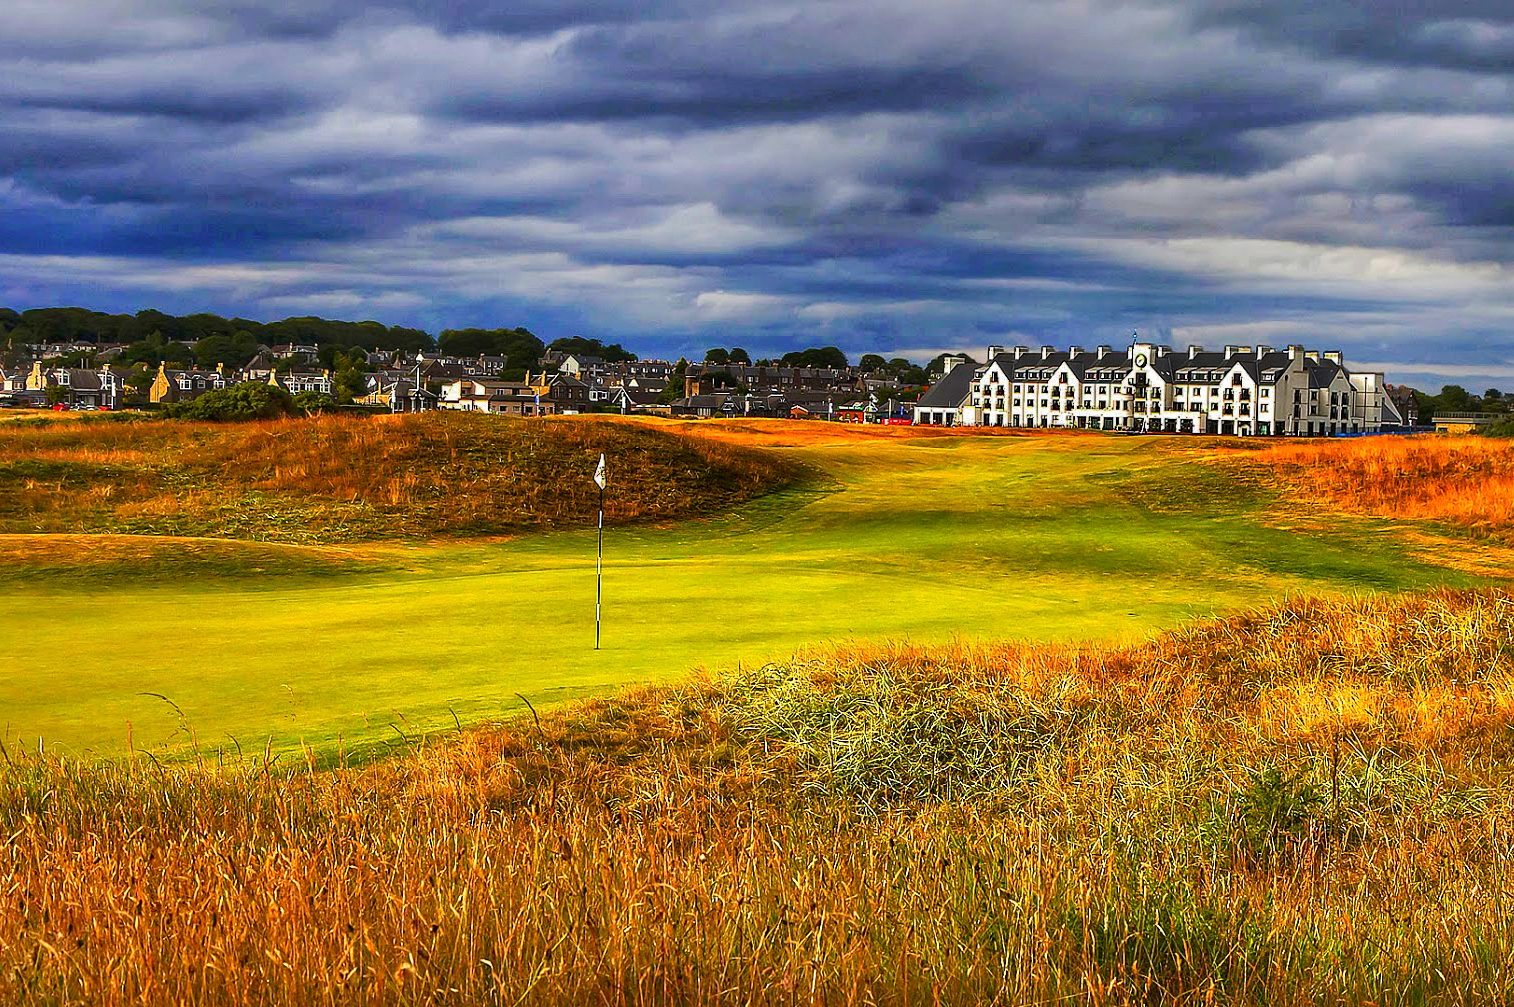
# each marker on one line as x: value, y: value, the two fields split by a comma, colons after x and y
x: 400, y: 383
x: 110, y: 386
x: 566, y: 383
x: 1241, y: 390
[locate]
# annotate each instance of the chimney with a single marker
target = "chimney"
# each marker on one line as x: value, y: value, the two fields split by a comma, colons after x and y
x: 1047, y: 351
x: 1020, y: 351
x: 1194, y: 351
x: 1103, y: 352
x: 1334, y: 356
x: 1073, y: 352
x: 1312, y: 355
x: 1232, y: 350
x: 1295, y: 351
x: 994, y: 351
x: 1162, y: 351
x: 1262, y: 351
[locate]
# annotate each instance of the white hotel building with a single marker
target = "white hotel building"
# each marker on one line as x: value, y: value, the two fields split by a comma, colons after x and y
x: 1243, y: 390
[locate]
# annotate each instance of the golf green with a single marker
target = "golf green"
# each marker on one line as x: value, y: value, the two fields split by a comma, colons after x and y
x: 926, y: 538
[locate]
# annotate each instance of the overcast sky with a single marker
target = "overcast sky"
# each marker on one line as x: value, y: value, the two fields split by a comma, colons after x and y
x: 892, y: 174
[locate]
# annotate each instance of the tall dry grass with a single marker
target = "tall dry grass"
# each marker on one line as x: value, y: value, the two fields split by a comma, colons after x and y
x: 1463, y: 480
x: 343, y: 478
x: 1301, y: 805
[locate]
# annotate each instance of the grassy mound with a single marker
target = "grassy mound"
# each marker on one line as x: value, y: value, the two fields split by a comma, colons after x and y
x: 344, y: 478
x: 1304, y: 804
x: 1467, y: 481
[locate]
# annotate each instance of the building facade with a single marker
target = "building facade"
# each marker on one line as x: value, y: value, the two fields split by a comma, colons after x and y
x: 1241, y: 390
x: 509, y: 398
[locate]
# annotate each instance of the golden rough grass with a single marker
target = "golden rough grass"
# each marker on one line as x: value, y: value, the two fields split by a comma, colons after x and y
x: 893, y: 824
x: 106, y: 558
x: 342, y: 478
x: 1462, y: 480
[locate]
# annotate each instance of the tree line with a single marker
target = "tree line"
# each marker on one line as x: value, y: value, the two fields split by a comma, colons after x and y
x: 1456, y: 399
x: 82, y: 325
x: 206, y: 340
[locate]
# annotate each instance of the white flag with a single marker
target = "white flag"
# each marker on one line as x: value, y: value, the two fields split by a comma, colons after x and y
x: 599, y: 473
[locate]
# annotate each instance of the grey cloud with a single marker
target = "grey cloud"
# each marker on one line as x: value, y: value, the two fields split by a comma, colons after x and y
x: 890, y: 169
x: 1462, y: 34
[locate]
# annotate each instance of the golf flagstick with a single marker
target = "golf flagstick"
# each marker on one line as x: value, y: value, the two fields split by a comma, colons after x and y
x: 599, y: 558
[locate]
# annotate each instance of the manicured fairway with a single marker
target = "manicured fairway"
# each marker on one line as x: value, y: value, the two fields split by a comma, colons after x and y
x: 926, y: 538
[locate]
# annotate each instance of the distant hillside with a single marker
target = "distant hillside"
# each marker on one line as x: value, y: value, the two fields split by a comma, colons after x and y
x: 343, y: 478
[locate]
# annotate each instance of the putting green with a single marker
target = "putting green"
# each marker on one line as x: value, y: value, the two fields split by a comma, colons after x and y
x: 901, y: 536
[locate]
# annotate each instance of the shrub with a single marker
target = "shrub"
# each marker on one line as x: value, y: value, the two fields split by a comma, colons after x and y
x: 1276, y: 809
x: 1502, y: 428
x: 314, y: 402
x: 250, y: 400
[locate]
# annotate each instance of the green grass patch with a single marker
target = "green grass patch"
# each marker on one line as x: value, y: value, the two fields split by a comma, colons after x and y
x: 923, y: 538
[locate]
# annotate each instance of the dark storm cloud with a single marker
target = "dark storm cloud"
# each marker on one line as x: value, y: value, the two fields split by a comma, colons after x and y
x: 921, y: 175
x: 721, y: 97
x: 1466, y: 34
x: 209, y: 108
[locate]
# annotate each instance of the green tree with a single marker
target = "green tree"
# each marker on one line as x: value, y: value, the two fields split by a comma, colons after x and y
x: 519, y: 346
x: 138, y: 383
x: 677, y: 382
x: 739, y: 356
x: 349, y: 383
x: 229, y: 351
x: 716, y: 356
x: 936, y: 365
x: 872, y: 362
x: 83, y: 325
x: 611, y: 352
x: 1456, y: 399
x: 157, y: 349
x: 823, y: 356
x: 250, y: 400
x: 311, y: 402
